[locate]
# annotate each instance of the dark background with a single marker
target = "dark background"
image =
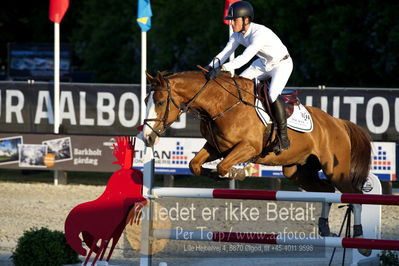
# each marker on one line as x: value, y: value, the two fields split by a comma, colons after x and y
x: 334, y: 43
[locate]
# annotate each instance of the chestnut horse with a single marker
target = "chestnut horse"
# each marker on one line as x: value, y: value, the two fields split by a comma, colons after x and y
x: 235, y: 134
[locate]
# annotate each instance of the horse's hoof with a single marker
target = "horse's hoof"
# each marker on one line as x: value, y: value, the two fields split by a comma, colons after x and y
x: 358, y: 233
x: 364, y: 252
x: 357, y: 230
x: 324, y: 228
x: 236, y: 173
x: 215, y: 176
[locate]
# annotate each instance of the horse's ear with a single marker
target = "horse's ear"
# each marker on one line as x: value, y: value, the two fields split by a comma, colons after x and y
x: 149, y: 77
x: 160, y: 80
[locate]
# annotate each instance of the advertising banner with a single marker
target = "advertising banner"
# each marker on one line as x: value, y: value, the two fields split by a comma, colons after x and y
x: 375, y: 110
x: 57, y: 152
x: 172, y: 155
x: 93, y: 109
x: 109, y: 109
x: 95, y: 113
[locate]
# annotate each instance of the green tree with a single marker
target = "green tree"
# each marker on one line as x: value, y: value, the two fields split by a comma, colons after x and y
x: 337, y: 43
x: 105, y: 41
x: 332, y: 42
x: 108, y: 39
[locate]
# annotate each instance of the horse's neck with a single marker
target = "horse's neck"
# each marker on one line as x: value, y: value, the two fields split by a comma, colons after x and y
x: 212, y: 97
x: 219, y: 95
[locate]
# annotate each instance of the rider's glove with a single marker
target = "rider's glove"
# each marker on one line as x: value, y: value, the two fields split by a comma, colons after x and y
x: 213, y: 72
x: 224, y: 69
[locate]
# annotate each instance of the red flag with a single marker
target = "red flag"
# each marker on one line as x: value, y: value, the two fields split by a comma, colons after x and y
x: 226, y: 9
x: 57, y: 10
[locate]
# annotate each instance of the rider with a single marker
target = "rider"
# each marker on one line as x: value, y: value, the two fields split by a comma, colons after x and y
x: 273, y: 60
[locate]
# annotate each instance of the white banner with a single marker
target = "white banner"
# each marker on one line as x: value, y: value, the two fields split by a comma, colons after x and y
x: 173, y: 155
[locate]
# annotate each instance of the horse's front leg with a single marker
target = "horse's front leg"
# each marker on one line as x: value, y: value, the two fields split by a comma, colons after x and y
x: 242, y: 152
x: 206, y: 154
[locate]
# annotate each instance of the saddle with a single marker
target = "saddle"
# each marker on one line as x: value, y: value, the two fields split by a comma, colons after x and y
x: 289, y: 96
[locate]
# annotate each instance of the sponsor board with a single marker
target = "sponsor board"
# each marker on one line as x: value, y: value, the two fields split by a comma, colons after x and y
x: 172, y: 155
x: 57, y: 152
x: 114, y: 109
x: 383, y: 160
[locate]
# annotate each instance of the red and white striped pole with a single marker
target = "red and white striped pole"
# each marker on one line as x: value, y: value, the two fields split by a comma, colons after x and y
x: 275, y: 239
x: 248, y: 194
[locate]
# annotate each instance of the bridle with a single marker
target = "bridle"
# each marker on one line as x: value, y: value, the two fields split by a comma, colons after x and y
x: 183, y: 108
x: 166, y: 114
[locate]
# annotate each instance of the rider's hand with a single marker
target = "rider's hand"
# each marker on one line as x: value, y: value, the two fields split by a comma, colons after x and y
x: 213, y: 73
x: 225, y: 70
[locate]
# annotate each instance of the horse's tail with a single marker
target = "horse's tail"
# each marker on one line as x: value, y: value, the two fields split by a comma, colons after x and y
x: 360, y: 154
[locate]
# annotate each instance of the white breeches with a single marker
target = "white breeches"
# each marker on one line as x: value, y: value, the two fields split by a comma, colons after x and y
x: 279, y: 75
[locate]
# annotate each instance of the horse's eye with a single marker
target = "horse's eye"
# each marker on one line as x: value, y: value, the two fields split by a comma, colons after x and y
x: 160, y: 103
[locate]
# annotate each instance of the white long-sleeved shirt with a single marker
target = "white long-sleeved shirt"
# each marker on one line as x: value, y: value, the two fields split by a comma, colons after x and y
x: 260, y: 41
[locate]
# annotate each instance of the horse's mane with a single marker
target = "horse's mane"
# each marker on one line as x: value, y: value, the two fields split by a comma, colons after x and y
x: 183, y: 73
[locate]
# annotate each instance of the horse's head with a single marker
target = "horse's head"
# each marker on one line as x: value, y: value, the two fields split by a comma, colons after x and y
x: 163, y: 108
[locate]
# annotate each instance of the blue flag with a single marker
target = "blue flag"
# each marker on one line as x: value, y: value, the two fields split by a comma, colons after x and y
x: 144, y: 15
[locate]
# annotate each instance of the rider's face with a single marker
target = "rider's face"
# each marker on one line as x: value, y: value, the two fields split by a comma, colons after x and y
x: 237, y: 24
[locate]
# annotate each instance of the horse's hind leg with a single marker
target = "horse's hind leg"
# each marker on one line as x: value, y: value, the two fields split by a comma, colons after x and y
x: 338, y: 172
x: 307, y: 177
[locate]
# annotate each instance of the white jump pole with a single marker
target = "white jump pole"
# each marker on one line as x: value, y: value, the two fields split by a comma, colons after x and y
x: 371, y: 214
x: 275, y: 239
x: 232, y: 182
x: 56, y: 77
x: 143, y: 76
x: 247, y: 194
x: 146, y: 225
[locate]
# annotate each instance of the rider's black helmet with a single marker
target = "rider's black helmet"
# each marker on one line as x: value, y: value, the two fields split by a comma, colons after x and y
x: 240, y: 9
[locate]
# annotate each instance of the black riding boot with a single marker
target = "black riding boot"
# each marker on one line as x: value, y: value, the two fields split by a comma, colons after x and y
x: 281, y: 120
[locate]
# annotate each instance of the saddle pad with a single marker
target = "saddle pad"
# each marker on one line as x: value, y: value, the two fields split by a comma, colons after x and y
x: 300, y: 120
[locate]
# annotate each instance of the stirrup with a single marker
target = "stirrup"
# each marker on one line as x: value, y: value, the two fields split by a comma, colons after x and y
x: 278, y: 147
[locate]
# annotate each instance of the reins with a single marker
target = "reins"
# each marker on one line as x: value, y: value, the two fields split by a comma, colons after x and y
x: 184, y: 108
x: 239, y: 97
